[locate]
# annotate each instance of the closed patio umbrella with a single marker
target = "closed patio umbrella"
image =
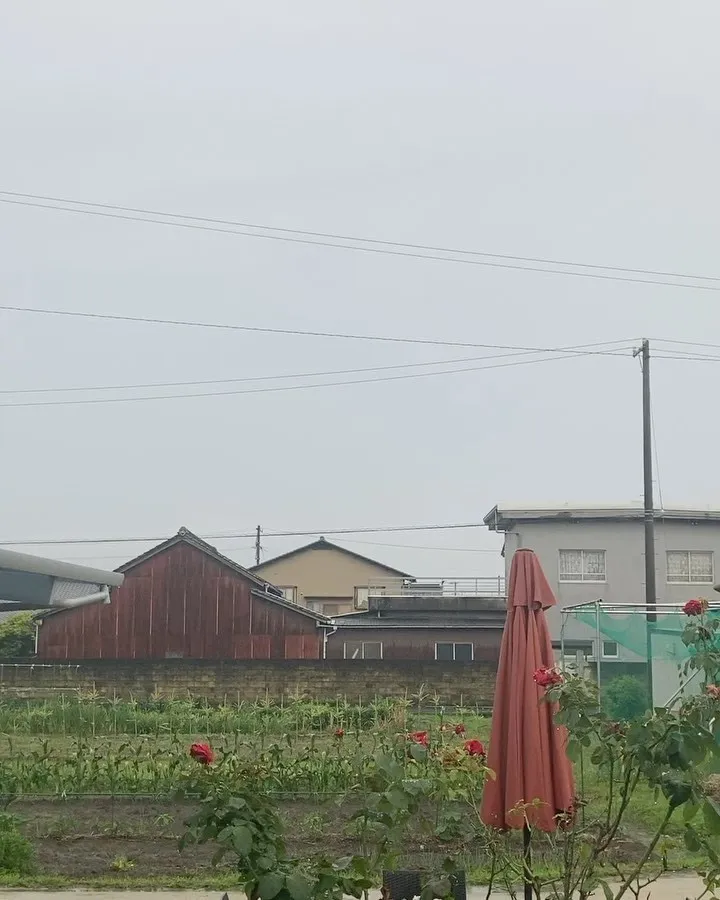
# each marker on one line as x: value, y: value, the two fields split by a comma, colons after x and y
x: 527, y: 750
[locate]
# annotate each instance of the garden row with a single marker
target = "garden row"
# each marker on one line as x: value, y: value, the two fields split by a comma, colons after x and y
x: 82, y: 716
x: 330, y: 763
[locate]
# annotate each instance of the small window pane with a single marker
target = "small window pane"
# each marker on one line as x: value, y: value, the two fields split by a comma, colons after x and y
x: 594, y: 565
x: 444, y: 652
x: 372, y: 650
x: 353, y: 650
x: 570, y: 565
x: 610, y: 648
x: 701, y: 567
x: 463, y: 652
x: 678, y: 566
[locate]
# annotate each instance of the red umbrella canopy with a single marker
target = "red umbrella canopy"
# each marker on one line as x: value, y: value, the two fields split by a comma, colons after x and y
x: 527, y: 750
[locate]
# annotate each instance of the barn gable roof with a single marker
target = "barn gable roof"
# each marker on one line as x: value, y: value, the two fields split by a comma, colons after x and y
x: 322, y: 544
x: 262, y: 589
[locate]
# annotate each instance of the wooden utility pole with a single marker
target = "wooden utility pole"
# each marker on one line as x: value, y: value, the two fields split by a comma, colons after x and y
x: 258, y: 548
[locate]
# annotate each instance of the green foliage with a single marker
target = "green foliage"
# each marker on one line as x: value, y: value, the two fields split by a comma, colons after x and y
x: 77, y: 715
x: 17, y: 636
x: 396, y: 785
x: 16, y: 852
x: 625, y: 697
x: 669, y: 751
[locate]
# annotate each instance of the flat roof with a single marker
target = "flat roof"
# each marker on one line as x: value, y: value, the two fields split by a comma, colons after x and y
x: 503, y: 515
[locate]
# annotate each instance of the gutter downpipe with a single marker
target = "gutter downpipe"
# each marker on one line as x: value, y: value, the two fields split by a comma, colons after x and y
x: 326, y: 634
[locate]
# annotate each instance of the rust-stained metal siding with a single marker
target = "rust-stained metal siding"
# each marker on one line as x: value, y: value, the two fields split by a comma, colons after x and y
x: 181, y: 603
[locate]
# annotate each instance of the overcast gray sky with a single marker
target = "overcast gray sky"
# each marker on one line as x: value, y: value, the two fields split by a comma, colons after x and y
x: 584, y: 131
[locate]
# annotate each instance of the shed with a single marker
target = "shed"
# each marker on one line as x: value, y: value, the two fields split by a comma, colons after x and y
x: 421, y: 627
x: 184, y: 599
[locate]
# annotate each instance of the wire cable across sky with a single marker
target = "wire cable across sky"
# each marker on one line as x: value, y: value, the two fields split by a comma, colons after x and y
x: 85, y: 401
x: 542, y: 265
x: 381, y: 529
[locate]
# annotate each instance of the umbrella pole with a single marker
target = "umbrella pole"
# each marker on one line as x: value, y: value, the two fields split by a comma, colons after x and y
x: 527, y: 863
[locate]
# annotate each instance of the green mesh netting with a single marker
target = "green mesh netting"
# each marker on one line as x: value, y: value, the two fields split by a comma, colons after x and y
x: 631, y: 632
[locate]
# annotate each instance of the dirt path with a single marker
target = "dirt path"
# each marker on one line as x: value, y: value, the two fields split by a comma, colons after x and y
x: 669, y: 888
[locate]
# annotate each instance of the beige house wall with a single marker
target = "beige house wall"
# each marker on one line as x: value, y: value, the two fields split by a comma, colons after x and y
x: 326, y: 577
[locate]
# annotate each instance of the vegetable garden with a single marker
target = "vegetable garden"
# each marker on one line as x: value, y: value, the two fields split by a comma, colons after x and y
x: 312, y: 801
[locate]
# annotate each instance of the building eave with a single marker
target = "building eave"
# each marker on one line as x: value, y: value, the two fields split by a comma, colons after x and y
x: 503, y: 517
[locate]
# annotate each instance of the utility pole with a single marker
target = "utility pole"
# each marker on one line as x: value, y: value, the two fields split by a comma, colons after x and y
x: 648, y: 505
x: 258, y: 548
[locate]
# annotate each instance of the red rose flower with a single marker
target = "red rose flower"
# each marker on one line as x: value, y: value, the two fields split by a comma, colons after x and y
x: 459, y: 729
x: 419, y: 737
x: 695, y: 607
x: 202, y: 753
x: 474, y: 748
x: 547, y: 677
x: 339, y: 733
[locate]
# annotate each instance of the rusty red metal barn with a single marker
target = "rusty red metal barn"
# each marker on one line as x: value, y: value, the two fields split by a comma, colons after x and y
x: 183, y: 599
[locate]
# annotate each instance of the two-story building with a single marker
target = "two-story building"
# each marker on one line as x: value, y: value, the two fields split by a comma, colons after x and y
x: 326, y: 578
x: 598, y: 553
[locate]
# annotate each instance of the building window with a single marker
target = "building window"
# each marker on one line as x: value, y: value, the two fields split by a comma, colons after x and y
x: 454, y: 652
x: 330, y: 609
x: 361, y: 597
x: 689, y: 566
x: 582, y: 565
x: 289, y: 593
x: 362, y: 650
x: 610, y: 649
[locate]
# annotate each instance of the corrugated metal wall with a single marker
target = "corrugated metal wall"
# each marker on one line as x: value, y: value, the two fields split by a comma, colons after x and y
x: 181, y: 603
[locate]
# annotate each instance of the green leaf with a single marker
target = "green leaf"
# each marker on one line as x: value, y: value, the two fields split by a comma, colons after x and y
x: 607, y: 890
x: 418, y: 752
x: 690, y: 811
x: 242, y: 840
x: 397, y: 798
x: 574, y: 749
x: 692, y: 840
x: 711, y: 814
x: 270, y: 885
x: 299, y: 887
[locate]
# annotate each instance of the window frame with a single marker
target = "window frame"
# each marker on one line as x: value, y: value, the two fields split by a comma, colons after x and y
x: 455, y: 644
x: 362, y: 650
x: 615, y: 655
x: 582, y: 579
x: 673, y: 579
x: 289, y: 587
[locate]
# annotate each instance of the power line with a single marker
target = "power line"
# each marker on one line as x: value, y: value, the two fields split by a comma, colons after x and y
x: 685, y: 343
x: 168, y: 384
x: 330, y: 239
x: 295, y: 332
x: 249, y: 547
x: 251, y: 378
x: 226, y: 535
x: 85, y: 401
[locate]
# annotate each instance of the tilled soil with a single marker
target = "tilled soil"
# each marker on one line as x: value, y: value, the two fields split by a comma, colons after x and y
x: 93, y: 837
x: 87, y: 838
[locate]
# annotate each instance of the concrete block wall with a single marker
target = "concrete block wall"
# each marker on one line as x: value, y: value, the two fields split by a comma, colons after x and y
x: 235, y: 680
